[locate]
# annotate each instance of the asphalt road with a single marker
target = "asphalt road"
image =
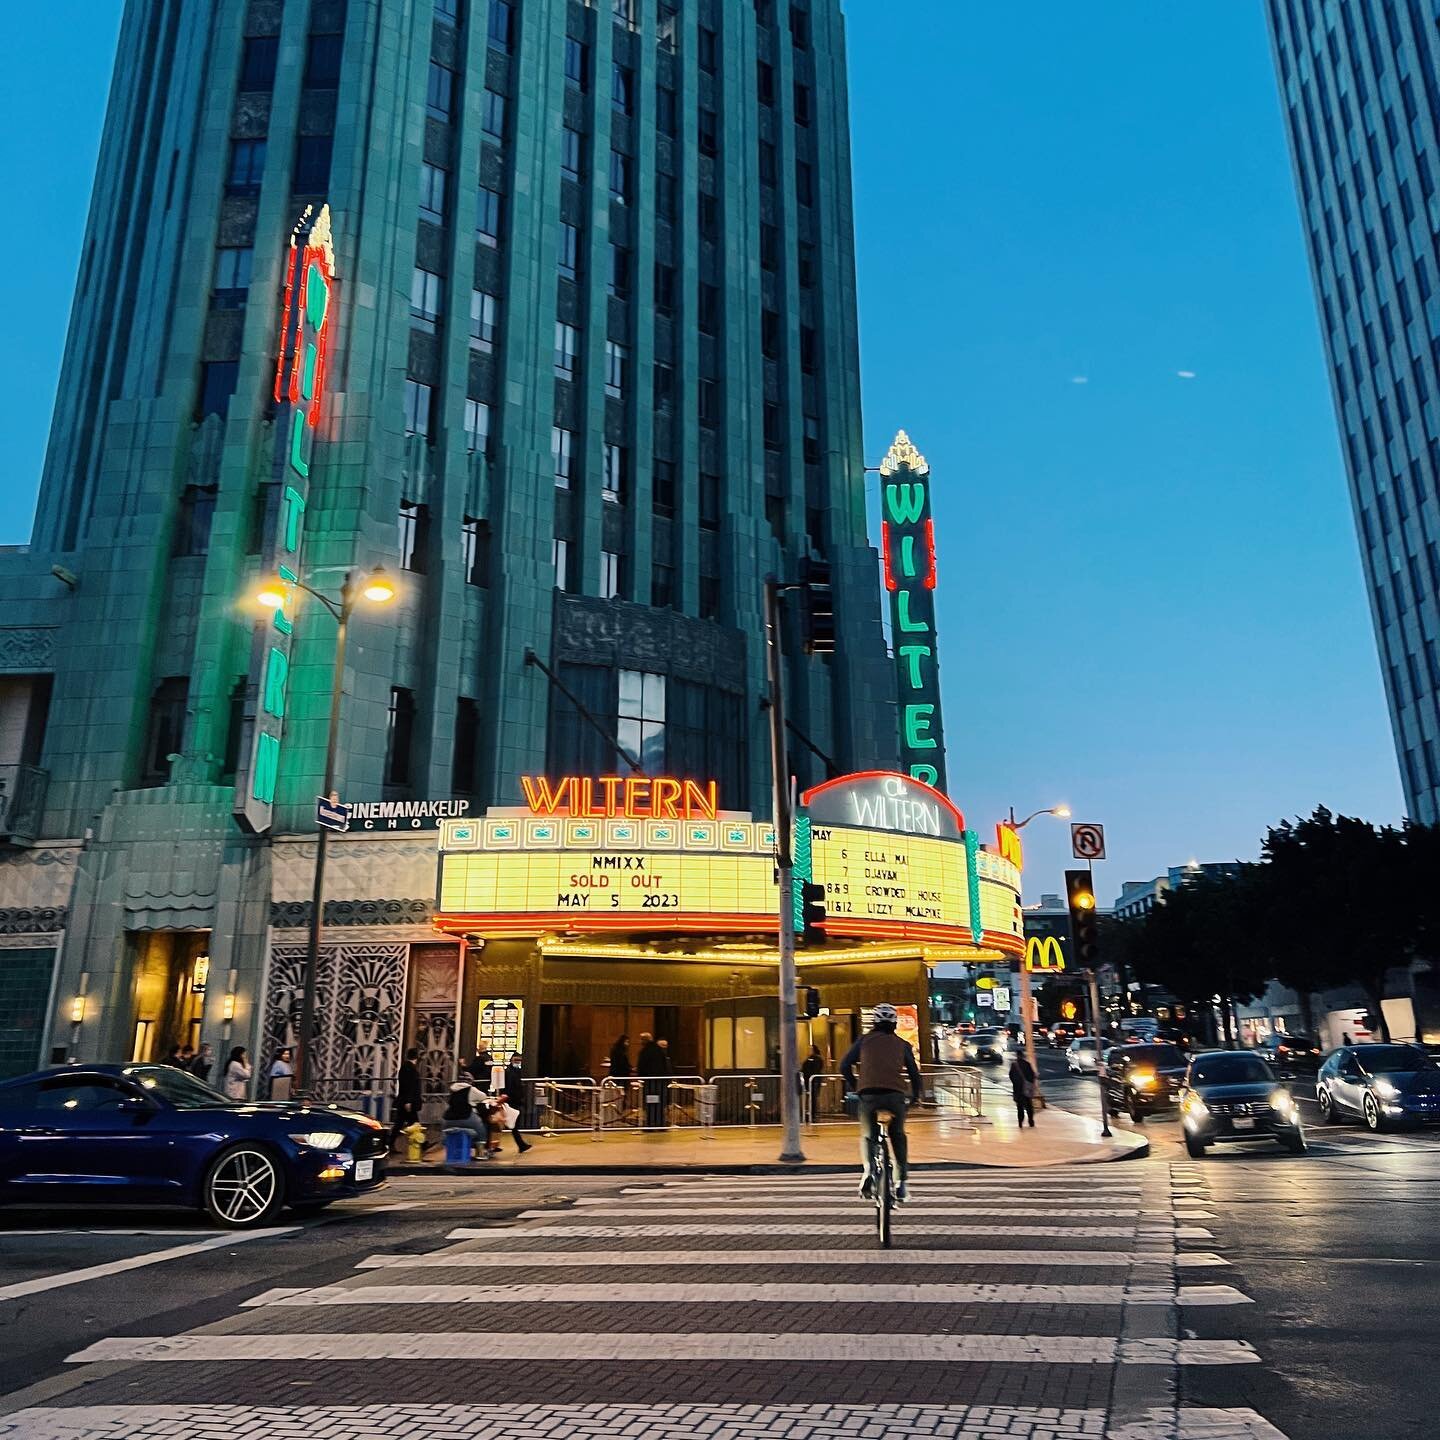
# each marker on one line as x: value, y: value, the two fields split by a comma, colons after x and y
x: 1291, y: 1294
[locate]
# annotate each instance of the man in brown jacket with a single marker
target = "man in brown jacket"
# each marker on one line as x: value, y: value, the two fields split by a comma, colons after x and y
x: 887, y: 1067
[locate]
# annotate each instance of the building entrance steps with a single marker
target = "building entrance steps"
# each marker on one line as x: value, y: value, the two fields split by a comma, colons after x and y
x: 1060, y: 1137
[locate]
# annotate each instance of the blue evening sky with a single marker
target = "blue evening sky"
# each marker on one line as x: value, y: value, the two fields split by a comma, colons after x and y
x: 1151, y: 599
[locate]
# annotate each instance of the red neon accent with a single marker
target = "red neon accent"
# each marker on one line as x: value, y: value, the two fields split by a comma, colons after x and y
x: 322, y: 340
x: 285, y: 327
x: 299, y: 345
x: 944, y: 799
x: 930, y: 546
x: 890, y: 581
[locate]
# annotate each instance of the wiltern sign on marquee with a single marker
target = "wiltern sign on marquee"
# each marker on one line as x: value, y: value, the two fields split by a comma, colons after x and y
x: 907, y: 537
x: 307, y: 323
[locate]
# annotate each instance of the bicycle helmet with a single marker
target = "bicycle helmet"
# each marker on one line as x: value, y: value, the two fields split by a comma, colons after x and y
x: 885, y: 1013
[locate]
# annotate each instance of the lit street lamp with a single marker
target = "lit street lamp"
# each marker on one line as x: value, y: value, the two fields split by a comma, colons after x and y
x: 1061, y: 812
x: 375, y: 588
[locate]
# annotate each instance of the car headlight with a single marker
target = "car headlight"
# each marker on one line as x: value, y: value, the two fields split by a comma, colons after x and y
x: 1283, y: 1101
x: 320, y: 1139
x: 1143, y: 1080
x: 1386, y: 1090
x: 1194, y: 1105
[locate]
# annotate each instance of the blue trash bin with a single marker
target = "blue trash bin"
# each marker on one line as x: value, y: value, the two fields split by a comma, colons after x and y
x: 458, y: 1147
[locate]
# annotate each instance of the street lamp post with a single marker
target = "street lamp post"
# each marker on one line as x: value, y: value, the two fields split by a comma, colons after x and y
x: 377, y: 589
x: 1062, y: 812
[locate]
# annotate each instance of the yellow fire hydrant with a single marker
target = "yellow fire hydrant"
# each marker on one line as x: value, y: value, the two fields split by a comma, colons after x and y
x: 414, y: 1142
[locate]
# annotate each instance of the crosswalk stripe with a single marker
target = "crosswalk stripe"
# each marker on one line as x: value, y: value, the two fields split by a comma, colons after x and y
x: 643, y: 1259
x: 720, y: 1205
x: 662, y: 1231
x: 729, y: 1293
x: 731, y: 1421
x: 664, y: 1346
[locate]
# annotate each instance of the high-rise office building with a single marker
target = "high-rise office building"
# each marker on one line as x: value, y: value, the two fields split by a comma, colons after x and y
x: 545, y: 307
x: 1360, y: 87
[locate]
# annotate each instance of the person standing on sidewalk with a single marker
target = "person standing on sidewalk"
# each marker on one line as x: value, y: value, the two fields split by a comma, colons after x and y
x: 408, y: 1094
x: 1022, y: 1083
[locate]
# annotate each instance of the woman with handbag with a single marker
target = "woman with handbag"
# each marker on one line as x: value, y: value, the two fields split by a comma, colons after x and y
x: 512, y: 1097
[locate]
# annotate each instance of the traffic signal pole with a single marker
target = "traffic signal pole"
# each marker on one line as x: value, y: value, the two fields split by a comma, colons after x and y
x: 790, y: 1152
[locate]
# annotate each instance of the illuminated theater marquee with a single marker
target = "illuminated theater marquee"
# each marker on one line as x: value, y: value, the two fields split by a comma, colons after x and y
x: 632, y: 796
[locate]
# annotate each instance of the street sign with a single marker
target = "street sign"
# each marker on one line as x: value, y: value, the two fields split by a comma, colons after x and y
x: 1002, y: 997
x: 331, y: 814
x: 984, y: 997
x: 1087, y: 842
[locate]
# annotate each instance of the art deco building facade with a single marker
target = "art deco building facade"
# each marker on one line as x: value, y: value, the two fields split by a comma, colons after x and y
x: 1360, y: 87
x: 589, y: 374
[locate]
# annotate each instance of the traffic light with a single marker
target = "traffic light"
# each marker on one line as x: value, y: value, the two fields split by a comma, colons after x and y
x: 818, y: 602
x: 1080, y: 894
x: 812, y: 912
x: 810, y: 995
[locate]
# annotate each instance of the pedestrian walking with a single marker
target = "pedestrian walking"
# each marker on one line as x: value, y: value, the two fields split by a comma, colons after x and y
x: 408, y: 1094
x: 466, y: 1109
x: 1022, y: 1083
x: 282, y: 1076
x: 652, y: 1065
x: 175, y: 1057
x: 203, y: 1063
x: 513, y: 1101
x: 620, y: 1066
x: 237, y: 1074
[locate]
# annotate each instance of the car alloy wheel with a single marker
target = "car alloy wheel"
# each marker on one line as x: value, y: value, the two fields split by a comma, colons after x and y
x: 1373, y: 1119
x: 1328, y: 1112
x: 243, y: 1187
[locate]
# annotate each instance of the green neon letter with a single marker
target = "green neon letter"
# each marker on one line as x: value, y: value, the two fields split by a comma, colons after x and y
x: 907, y: 556
x: 307, y: 377
x: 913, y: 654
x: 265, y: 768
x: 292, y: 504
x: 277, y: 672
x: 917, y: 727
x: 903, y: 622
x: 298, y: 463
x: 905, y: 502
x: 926, y: 774
x: 317, y: 295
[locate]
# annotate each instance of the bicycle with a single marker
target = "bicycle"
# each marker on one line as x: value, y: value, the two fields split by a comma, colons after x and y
x: 882, y: 1175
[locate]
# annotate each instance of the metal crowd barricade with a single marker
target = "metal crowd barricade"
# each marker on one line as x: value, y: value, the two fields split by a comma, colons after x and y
x: 563, y: 1103
x: 949, y: 1092
x: 746, y: 1099
x: 653, y: 1102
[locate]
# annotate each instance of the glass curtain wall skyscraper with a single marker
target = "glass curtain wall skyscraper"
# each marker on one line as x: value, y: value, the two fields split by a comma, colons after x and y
x: 591, y: 374
x: 1360, y: 89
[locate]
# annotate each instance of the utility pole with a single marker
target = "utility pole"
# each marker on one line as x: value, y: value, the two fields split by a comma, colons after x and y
x: 790, y: 1152
x: 1094, y: 993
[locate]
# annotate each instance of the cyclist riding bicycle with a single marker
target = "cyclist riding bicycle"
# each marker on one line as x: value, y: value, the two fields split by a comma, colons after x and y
x: 886, y: 1065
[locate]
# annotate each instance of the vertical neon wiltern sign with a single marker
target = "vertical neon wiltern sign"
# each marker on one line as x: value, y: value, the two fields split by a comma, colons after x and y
x: 907, y: 537
x: 307, y: 320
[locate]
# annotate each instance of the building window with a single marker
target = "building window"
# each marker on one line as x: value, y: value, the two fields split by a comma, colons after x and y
x: 502, y: 25
x: 667, y: 116
x: 802, y: 104
x: 804, y: 183
x: 487, y: 216
x: 708, y: 49
x: 609, y: 575
x: 622, y: 89
x: 709, y: 217
x: 806, y: 264
x: 662, y: 586
x: 232, y: 277
x: 809, y: 349
x: 322, y: 62
x: 312, y: 164
x: 575, y: 62
x: 569, y: 251
x: 799, y: 27
x: 765, y: 82
x: 477, y: 427
x: 165, y: 732
x: 664, y: 288
x: 571, y: 154
x: 662, y: 491
x: 617, y: 368
x: 709, y: 500
x: 467, y: 741
x: 399, y: 735
x: 247, y: 166
x: 710, y: 309
x: 812, y: 440
x: 218, y: 379
x: 619, y: 282
x: 567, y: 348
x: 768, y: 167
x: 192, y: 523
x: 709, y: 597
x: 427, y: 299
x: 624, y: 12
x: 560, y: 556
x: 448, y: 11
x: 770, y: 333
x: 709, y: 133
x: 475, y: 549
x: 620, y: 177
x: 417, y: 408
x: 640, y: 727
x: 257, y: 64
x: 663, y: 387
x: 433, y: 182
x: 413, y: 535
x: 440, y: 92
x: 612, y: 486
x: 492, y: 115
x: 483, y: 309
x: 769, y: 247
x: 710, y: 402
x: 665, y: 28
x: 562, y: 453
x: 667, y: 196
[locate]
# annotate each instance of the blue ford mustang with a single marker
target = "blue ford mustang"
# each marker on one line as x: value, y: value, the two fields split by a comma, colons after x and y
x: 150, y: 1134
